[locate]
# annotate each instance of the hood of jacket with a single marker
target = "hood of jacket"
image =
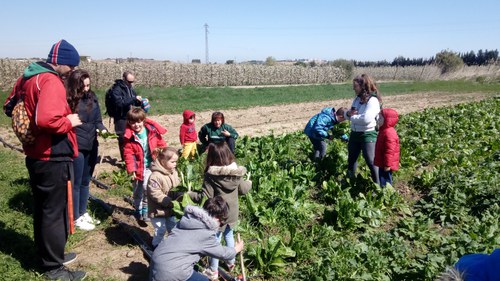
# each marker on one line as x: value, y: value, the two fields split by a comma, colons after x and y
x: 156, y: 166
x: 197, y: 218
x: 229, y: 171
x: 226, y: 177
x: 37, y: 68
x: 186, y: 114
x: 328, y: 111
x: 391, y: 117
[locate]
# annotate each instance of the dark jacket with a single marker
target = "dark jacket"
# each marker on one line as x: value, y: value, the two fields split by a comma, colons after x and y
x: 123, y: 98
x: 47, y: 108
x: 387, y: 145
x: 210, y: 134
x: 89, y: 112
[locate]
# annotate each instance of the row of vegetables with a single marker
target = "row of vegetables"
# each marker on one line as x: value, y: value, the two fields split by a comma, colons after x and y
x: 307, y: 221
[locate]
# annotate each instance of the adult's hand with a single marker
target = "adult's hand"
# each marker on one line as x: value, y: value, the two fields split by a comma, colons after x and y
x: 226, y: 133
x: 74, y: 119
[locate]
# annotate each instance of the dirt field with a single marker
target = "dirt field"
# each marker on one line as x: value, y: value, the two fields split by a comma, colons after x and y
x: 109, y: 253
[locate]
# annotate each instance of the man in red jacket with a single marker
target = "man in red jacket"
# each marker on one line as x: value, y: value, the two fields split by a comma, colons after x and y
x: 387, y: 146
x: 49, y: 159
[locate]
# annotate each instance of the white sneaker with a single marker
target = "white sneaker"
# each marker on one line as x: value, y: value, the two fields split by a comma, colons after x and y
x: 90, y: 220
x: 83, y: 224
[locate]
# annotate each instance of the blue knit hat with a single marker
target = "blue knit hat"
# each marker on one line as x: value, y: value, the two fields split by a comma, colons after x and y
x: 63, y: 53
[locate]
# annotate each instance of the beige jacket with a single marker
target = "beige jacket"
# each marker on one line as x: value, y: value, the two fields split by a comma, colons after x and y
x: 160, y: 184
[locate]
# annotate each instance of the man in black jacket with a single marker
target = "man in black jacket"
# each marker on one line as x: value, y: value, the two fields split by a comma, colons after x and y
x: 123, y: 97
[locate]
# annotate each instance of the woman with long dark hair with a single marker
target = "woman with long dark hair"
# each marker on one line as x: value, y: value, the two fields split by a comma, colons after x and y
x: 84, y: 102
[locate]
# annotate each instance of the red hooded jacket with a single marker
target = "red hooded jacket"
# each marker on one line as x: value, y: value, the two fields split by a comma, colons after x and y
x: 132, y: 149
x: 47, y: 108
x: 187, y: 132
x: 387, y: 145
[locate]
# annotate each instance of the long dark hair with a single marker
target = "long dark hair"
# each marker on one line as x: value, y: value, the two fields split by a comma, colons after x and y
x: 218, y: 154
x: 75, y: 88
x: 368, y: 86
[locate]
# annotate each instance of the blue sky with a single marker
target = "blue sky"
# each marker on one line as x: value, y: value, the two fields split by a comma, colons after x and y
x: 250, y: 30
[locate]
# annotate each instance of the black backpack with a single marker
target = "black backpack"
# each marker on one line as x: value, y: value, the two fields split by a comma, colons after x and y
x: 111, y: 109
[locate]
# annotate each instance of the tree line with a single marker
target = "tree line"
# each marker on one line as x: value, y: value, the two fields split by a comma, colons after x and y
x: 482, y: 57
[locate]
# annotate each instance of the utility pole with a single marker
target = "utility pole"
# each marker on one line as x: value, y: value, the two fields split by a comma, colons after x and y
x: 206, y: 43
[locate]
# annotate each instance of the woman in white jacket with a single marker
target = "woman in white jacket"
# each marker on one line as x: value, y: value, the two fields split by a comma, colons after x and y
x: 362, y: 115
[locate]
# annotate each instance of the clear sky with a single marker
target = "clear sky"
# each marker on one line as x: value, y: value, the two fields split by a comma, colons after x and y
x: 364, y: 30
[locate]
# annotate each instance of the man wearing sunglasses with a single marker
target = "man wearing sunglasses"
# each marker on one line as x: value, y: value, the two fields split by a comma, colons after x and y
x: 122, y: 97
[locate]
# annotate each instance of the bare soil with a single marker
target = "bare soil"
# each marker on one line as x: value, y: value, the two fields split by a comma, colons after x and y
x: 109, y: 253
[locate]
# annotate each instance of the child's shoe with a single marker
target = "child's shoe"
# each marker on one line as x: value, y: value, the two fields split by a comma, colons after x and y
x: 83, y: 224
x: 91, y: 220
x: 137, y: 215
x: 230, y: 267
x: 212, y: 275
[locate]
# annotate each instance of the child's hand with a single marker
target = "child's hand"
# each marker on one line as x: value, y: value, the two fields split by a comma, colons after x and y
x: 387, y: 169
x: 226, y: 133
x: 238, y: 247
x: 133, y: 176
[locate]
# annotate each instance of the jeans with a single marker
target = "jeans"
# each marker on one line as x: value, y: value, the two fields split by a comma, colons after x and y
x: 140, y: 190
x: 229, y: 238
x: 319, y: 147
x: 83, y: 166
x: 49, y: 181
x: 196, y: 276
x: 354, y: 149
x: 385, y: 177
x: 161, y: 226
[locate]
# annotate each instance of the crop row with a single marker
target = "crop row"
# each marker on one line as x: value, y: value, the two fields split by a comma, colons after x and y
x: 311, y: 222
x: 166, y: 74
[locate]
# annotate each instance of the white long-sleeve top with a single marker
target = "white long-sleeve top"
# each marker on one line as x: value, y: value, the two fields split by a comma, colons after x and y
x: 365, y: 119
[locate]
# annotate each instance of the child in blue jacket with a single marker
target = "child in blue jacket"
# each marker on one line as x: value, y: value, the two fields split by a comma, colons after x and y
x: 318, y: 126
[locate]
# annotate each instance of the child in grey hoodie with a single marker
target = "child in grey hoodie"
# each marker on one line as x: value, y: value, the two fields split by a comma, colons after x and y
x: 192, y: 238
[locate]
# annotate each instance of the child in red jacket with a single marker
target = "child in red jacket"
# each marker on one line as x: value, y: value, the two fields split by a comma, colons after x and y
x: 141, y: 137
x: 387, y: 146
x: 188, y: 135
